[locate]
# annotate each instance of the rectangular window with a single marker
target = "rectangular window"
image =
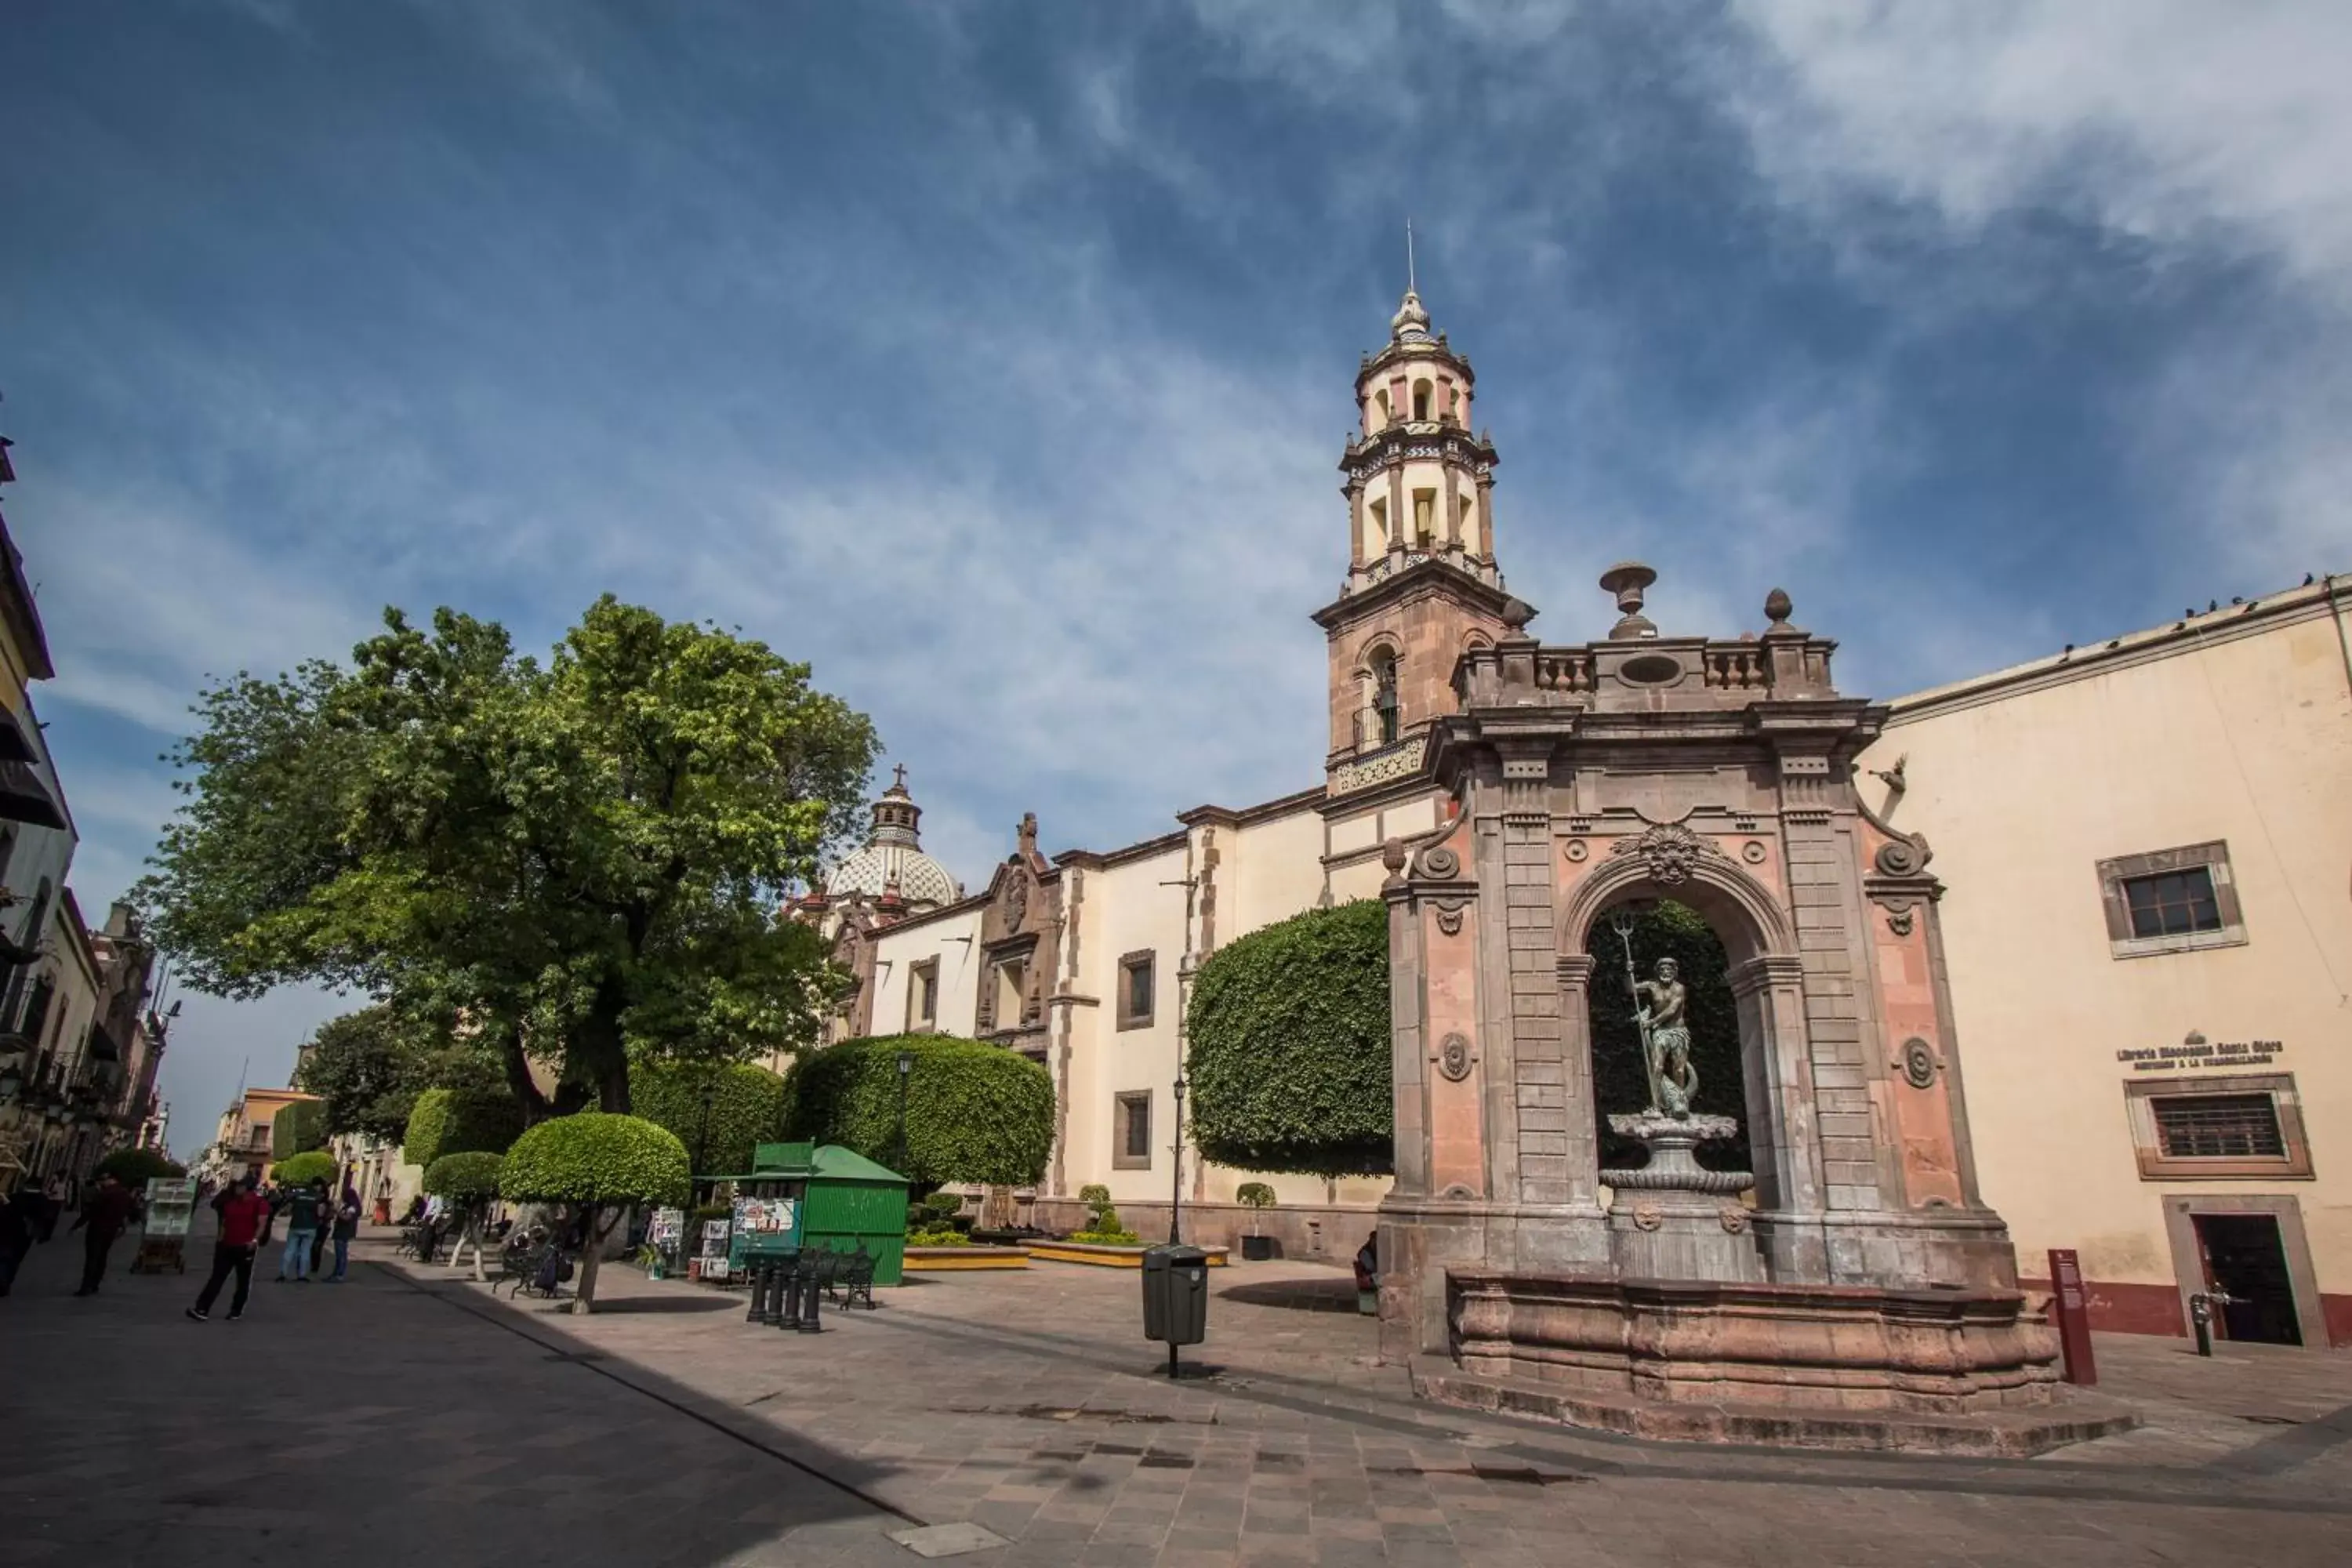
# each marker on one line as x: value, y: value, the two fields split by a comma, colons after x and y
x: 1131, y: 1131
x: 2172, y: 903
x: 2217, y: 1127
x: 2171, y: 900
x: 1010, y: 974
x: 1135, y: 976
x: 923, y: 995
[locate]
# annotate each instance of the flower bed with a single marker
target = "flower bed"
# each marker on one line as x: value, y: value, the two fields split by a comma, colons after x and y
x: 939, y: 1260
x: 1101, y: 1256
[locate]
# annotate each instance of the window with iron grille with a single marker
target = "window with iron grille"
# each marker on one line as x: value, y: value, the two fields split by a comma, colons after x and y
x: 1132, y: 1131
x: 2218, y: 1127
x: 2172, y: 903
x: 1135, y: 982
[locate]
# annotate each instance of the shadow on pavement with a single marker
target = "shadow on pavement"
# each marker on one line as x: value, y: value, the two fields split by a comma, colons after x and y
x: 1334, y: 1295
x: 383, y: 1422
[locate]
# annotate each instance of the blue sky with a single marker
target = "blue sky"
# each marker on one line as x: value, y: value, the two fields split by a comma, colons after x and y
x: 995, y: 357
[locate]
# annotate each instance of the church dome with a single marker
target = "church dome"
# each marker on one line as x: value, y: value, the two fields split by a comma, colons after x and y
x: 894, y: 855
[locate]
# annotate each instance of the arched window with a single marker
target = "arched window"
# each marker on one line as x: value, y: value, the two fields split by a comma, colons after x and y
x: 1420, y: 400
x: 1380, y: 401
x: 1384, y: 694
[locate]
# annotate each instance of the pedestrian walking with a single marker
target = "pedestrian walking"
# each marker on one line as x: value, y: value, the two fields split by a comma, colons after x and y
x: 301, y: 1229
x: 325, y: 1221
x: 243, y: 1213
x: 101, y: 1221
x: 18, y: 1216
x: 347, y: 1226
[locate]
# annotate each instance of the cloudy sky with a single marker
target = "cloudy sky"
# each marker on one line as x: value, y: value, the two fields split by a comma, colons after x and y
x: 995, y: 357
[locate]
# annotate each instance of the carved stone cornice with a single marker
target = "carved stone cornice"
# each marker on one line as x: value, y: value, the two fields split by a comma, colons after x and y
x: 1766, y: 972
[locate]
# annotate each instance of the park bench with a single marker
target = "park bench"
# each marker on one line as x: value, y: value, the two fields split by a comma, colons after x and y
x: 855, y: 1282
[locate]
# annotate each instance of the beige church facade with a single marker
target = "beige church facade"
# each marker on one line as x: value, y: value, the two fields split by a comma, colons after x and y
x: 2144, y: 853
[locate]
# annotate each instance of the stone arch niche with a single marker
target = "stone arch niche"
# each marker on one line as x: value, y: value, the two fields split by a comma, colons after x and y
x: 1717, y: 774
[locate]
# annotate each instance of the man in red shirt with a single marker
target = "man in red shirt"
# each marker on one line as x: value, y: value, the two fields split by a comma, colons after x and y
x: 243, y: 1212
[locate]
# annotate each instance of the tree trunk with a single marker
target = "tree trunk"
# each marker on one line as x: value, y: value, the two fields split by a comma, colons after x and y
x: 602, y: 1055
x: 516, y: 1067
x: 583, y: 1299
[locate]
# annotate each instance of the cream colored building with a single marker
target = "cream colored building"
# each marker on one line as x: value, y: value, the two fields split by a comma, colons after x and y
x: 2147, y: 846
x: 2215, y: 754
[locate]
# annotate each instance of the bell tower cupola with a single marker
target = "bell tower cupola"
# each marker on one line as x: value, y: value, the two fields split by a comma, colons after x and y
x: 1423, y: 584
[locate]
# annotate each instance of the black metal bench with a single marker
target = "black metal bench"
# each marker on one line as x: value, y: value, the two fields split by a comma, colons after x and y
x: 855, y: 1280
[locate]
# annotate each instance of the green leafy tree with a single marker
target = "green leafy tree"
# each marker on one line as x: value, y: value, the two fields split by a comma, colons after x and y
x: 469, y: 1178
x: 1619, y: 1080
x: 300, y: 1170
x: 458, y: 1121
x: 369, y: 1066
x: 974, y: 1112
x: 1289, y: 1047
x: 603, y: 1164
x: 582, y: 858
x: 720, y: 1110
x: 297, y: 1129
x: 134, y: 1168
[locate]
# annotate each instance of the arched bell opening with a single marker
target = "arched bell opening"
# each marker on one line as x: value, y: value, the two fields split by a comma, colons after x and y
x: 1629, y: 942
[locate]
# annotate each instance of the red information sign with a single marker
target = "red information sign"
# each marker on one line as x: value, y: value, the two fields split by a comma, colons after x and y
x: 2073, y: 1310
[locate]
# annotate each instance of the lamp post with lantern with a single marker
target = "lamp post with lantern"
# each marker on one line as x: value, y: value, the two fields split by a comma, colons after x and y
x: 906, y: 1070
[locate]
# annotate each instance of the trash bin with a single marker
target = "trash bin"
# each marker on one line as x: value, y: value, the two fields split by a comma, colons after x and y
x: 1176, y: 1295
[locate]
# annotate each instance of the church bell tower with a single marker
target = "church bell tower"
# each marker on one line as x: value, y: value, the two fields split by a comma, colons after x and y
x: 1423, y: 586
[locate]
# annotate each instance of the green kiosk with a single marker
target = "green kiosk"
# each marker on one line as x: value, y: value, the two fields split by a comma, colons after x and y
x: 800, y: 1195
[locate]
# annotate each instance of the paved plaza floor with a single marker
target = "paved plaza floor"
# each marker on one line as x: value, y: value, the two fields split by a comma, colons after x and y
x: 410, y: 1417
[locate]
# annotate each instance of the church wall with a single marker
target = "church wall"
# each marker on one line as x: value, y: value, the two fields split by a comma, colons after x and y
x: 2023, y: 783
x: 1278, y: 871
x: 949, y: 938
x: 1126, y: 910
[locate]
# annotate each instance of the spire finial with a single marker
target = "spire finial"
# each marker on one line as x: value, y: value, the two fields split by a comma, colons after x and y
x: 899, y: 775
x: 1411, y: 283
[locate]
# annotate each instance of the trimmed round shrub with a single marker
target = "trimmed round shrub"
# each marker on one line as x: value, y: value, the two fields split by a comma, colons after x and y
x: 974, y: 1112
x: 137, y: 1167
x: 1253, y: 1196
x: 469, y: 1177
x: 297, y: 1128
x: 453, y: 1121
x: 301, y: 1170
x: 747, y: 1109
x: 596, y: 1157
x: 1288, y: 1062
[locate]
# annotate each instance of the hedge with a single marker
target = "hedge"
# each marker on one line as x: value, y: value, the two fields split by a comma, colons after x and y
x: 1289, y: 1053
x: 451, y: 1122
x: 297, y: 1128
x: 468, y: 1177
x: 747, y: 1108
x: 1620, y: 1081
x: 300, y: 1170
x: 974, y: 1112
x: 137, y: 1167
x: 596, y: 1157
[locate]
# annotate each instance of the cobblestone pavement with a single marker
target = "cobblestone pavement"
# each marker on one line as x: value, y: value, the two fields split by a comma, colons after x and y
x: 368, y: 1423
x: 1028, y: 1402
x: 407, y: 1416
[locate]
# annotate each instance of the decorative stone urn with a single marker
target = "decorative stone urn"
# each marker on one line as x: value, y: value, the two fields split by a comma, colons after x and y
x: 1672, y: 1218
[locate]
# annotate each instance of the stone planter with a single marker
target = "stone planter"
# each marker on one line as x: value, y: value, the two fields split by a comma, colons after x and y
x: 1259, y: 1248
x: 1101, y: 1256
x: 945, y: 1259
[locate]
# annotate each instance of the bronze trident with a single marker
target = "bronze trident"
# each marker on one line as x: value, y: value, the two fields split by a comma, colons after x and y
x: 1620, y: 921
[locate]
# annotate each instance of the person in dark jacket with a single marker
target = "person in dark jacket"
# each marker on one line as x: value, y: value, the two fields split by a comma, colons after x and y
x: 346, y: 1226
x: 109, y: 1208
x: 18, y: 1218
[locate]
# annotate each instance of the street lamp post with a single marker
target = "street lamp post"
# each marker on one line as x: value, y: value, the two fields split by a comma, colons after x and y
x: 906, y: 1069
x: 702, y: 1137
x: 1176, y: 1193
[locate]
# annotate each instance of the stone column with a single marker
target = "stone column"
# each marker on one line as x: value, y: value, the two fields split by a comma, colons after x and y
x: 1783, y: 1139
x: 1574, y: 974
